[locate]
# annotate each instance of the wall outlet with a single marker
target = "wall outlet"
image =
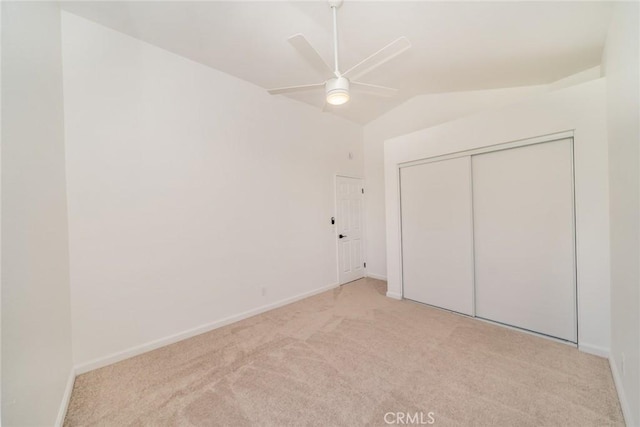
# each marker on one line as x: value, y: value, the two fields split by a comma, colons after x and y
x: 622, y: 365
x: 264, y: 291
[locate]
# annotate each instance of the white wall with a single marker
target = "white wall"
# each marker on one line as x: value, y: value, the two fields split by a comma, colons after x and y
x: 623, y: 108
x: 36, y: 324
x: 189, y: 190
x: 580, y: 108
x: 417, y: 113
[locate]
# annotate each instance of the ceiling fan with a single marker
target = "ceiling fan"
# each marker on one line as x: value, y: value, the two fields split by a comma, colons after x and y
x: 338, y: 85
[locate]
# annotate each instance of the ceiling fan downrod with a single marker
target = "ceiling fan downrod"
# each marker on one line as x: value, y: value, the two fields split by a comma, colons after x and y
x: 335, y: 5
x: 337, y: 89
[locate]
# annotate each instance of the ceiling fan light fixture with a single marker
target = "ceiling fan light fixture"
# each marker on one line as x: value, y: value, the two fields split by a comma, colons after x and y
x: 337, y: 91
x: 338, y: 97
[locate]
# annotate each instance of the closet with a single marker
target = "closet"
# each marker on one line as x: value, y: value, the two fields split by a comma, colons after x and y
x: 491, y: 234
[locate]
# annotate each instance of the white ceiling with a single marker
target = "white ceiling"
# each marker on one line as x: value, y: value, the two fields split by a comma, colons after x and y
x: 456, y: 45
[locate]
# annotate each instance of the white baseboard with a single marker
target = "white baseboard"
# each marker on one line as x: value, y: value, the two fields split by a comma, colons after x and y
x: 377, y: 276
x: 624, y: 404
x: 152, y: 345
x: 66, y: 397
x: 594, y: 349
x: 394, y: 295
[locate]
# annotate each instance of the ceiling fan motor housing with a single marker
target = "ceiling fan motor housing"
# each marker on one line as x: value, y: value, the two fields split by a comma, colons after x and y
x: 337, y: 90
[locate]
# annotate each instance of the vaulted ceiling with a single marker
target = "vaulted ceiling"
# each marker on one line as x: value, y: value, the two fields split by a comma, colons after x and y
x: 456, y: 45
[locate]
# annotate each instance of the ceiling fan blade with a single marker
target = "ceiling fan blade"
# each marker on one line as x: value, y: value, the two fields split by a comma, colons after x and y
x: 388, y: 52
x: 291, y: 89
x: 312, y: 56
x: 375, y: 89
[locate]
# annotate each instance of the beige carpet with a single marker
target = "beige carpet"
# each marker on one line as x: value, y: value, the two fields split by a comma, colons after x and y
x: 348, y: 357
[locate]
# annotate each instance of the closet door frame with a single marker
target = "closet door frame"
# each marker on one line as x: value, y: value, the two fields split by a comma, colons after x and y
x: 499, y: 147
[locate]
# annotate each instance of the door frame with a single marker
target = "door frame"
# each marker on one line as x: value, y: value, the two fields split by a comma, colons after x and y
x: 488, y: 149
x: 335, y: 226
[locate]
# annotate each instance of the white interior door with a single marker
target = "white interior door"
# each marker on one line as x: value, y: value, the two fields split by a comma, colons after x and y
x: 437, y: 234
x: 349, y: 229
x: 524, y: 238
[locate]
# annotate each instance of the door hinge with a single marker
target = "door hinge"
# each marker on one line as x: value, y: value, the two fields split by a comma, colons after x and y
x: 365, y: 265
x: 363, y: 191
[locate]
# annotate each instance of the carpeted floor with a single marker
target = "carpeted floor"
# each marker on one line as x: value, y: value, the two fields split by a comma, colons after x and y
x: 348, y: 357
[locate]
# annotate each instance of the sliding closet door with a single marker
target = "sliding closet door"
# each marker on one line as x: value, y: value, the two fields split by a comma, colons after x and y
x: 524, y: 238
x: 437, y: 237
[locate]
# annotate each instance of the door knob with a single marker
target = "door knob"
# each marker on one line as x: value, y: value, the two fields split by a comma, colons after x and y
x: 341, y: 236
